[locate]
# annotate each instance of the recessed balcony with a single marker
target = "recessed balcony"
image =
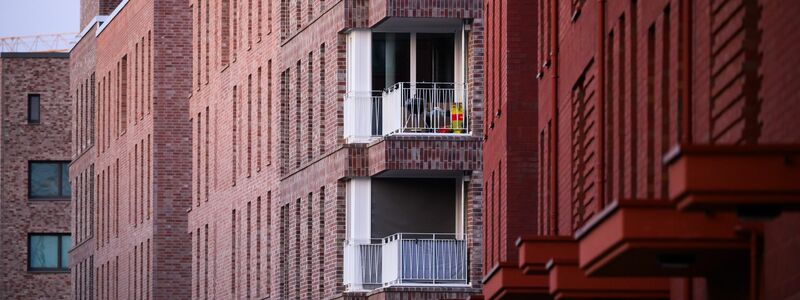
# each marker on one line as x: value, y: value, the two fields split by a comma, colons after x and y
x: 403, y: 79
x: 405, y: 232
x: 407, y: 108
x: 415, y: 259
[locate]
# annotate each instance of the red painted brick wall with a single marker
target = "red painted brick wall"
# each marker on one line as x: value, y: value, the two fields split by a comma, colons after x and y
x: 21, y: 143
x: 741, y: 81
x: 510, y: 148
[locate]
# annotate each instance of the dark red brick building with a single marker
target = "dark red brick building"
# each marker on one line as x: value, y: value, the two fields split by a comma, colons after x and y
x: 130, y: 76
x: 35, y: 191
x: 664, y: 150
x: 331, y: 137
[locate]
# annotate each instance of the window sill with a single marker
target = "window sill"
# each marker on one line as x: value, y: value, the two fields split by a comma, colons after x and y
x: 64, y: 271
x: 48, y: 199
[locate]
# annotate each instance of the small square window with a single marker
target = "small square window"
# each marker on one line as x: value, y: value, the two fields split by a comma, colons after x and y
x: 48, y: 252
x: 48, y: 180
x: 34, y: 111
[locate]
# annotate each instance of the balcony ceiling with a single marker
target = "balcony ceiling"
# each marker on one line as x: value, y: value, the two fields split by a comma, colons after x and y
x: 396, y: 24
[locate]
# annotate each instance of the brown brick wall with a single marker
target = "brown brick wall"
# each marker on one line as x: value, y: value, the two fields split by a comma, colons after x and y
x: 21, y: 143
x: 92, y: 8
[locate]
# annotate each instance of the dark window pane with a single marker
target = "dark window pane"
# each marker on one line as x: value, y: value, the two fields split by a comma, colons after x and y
x: 390, y: 58
x: 65, y: 188
x: 44, y: 180
x: 435, y: 57
x: 33, y: 108
x: 66, y: 244
x: 43, y: 252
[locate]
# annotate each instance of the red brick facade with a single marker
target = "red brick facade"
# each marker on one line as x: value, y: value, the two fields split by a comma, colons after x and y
x: 21, y: 74
x: 510, y: 160
x: 270, y: 162
x: 130, y: 74
x: 622, y: 84
x: 266, y: 185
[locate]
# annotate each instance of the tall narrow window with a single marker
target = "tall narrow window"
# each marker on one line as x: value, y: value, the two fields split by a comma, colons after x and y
x: 233, y: 253
x: 123, y: 94
x: 148, y: 177
x: 249, y: 124
x: 258, y: 244
x: 321, y: 244
x: 34, y: 108
x: 225, y: 29
x: 234, y: 121
x: 136, y: 59
x: 284, y: 251
x: 321, y: 109
x: 206, y: 156
x: 249, y: 27
x: 197, y: 157
x: 199, y: 39
x: 236, y: 29
x: 259, y: 21
x: 258, y: 118
x: 310, y: 108
x: 269, y: 112
x: 298, y: 115
x: 248, y: 260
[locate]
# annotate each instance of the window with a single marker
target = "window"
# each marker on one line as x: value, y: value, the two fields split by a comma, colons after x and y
x: 33, y: 108
x: 48, y: 180
x: 48, y: 252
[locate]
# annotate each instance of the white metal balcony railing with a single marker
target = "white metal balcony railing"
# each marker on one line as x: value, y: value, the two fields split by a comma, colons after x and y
x: 418, y: 108
x: 406, y: 259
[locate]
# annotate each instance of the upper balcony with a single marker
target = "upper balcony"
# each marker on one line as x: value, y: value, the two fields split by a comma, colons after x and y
x: 407, y: 108
x: 408, y: 79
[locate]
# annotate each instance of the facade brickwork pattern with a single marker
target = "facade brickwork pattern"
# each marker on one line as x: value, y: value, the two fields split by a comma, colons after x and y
x: 47, y: 75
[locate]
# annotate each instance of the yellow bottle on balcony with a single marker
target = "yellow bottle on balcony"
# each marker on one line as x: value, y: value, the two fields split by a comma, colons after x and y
x: 457, y: 117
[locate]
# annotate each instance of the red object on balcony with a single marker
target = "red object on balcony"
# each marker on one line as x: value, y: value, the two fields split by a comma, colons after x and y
x: 652, y: 238
x: 724, y: 177
x: 556, y: 259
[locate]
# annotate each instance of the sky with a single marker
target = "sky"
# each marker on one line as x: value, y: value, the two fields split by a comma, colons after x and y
x: 32, y: 17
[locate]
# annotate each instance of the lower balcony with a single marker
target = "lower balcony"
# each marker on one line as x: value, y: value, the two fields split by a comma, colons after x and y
x: 407, y: 259
x: 405, y: 232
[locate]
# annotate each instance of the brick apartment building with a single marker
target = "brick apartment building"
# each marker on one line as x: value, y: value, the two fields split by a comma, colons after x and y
x: 336, y: 149
x: 312, y: 152
x: 130, y: 75
x: 665, y: 148
x: 34, y: 186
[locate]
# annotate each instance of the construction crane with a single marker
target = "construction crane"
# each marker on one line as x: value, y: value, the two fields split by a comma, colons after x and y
x: 53, y: 42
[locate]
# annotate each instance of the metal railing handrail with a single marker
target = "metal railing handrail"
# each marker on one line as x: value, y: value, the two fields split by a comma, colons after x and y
x: 432, y: 84
x: 407, y: 108
x: 409, y: 258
